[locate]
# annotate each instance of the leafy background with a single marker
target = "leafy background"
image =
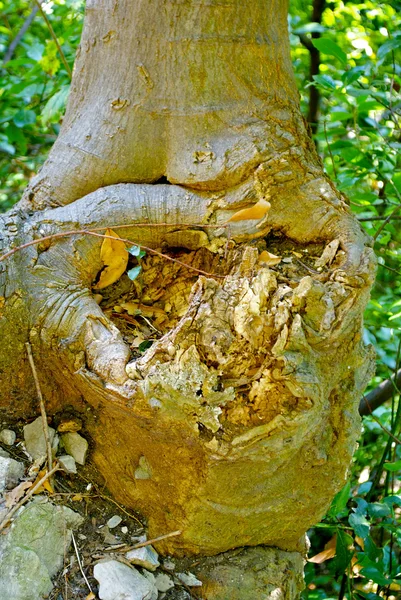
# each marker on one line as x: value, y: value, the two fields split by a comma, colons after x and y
x: 355, y: 49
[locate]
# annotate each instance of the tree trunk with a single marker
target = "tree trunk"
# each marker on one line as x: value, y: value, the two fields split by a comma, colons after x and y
x: 237, y: 426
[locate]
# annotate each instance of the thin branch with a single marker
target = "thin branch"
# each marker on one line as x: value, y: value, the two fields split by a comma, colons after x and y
x: 379, y: 394
x: 25, y: 499
x: 79, y: 562
x: 388, y: 219
x: 124, y: 548
x: 11, y: 49
x: 95, y: 234
x: 377, y: 218
x: 51, y: 30
x: 42, y: 406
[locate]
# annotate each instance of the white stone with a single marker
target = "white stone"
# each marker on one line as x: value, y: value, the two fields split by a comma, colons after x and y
x: 8, y: 437
x: 164, y: 582
x: 114, y: 521
x: 35, y: 442
x: 76, y: 446
x: 117, y: 581
x: 10, y: 472
x: 67, y: 463
x: 145, y: 557
x: 189, y: 579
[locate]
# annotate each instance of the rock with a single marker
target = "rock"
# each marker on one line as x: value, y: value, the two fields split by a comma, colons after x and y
x: 23, y: 576
x: 46, y: 530
x: 250, y: 573
x: 117, y: 581
x: 10, y: 472
x: 8, y: 437
x: 189, y: 579
x: 34, y: 550
x: 76, y: 446
x: 114, y: 521
x: 152, y: 579
x: 34, y: 438
x: 67, y: 463
x: 4, y: 453
x: 145, y: 557
x: 169, y: 565
x: 164, y: 582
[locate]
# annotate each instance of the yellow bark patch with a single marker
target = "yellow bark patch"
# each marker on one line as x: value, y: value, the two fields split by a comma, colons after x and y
x: 114, y: 256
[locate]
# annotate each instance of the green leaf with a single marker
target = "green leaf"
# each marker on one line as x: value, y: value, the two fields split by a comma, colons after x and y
x: 56, y: 105
x: 35, y: 51
x: 377, y: 510
x: 325, y: 81
x: 344, y: 552
x: 329, y: 47
x: 395, y: 466
x: 137, y: 251
x: 145, y: 345
x: 24, y: 117
x: 133, y: 273
x: 352, y: 75
x: 389, y: 46
x: 375, y: 575
x: 360, y: 525
x: 310, y: 28
x: 340, y: 500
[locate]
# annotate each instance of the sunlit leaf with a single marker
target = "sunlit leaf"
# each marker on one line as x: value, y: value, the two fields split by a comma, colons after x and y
x: 331, y: 48
x: 114, y: 256
x: 134, y: 272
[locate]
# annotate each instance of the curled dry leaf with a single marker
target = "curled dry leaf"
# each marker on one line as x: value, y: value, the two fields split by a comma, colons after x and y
x: 328, y: 254
x: 114, y: 256
x: 17, y: 493
x: 269, y: 259
x: 256, y: 212
x: 46, y: 486
x: 328, y: 552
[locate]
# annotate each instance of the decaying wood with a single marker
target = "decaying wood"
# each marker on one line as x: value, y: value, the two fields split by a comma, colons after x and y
x: 237, y: 425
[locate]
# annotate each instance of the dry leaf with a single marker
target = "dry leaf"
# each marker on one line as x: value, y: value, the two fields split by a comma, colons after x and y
x: 328, y: 552
x: 16, y: 494
x: 328, y: 254
x: 269, y: 259
x: 256, y: 212
x: 77, y: 498
x: 114, y: 255
x: 46, y: 485
x: 90, y: 596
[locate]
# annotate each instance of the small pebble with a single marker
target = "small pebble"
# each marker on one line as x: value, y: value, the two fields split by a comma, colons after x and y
x: 124, y: 530
x: 8, y: 437
x: 114, y: 521
x: 189, y: 579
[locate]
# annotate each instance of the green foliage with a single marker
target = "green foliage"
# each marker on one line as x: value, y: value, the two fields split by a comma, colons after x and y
x: 359, y: 140
x: 34, y: 88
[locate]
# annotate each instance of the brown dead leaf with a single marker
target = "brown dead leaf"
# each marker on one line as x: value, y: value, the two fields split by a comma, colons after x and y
x: 90, y: 596
x: 114, y: 256
x: 269, y: 259
x: 46, y: 486
x: 16, y: 494
x: 256, y: 212
x: 328, y: 552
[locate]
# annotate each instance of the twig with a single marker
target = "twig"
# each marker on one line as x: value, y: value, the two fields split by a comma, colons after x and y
x: 375, y: 218
x: 388, y: 219
x: 23, y: 500
x: 42, y: 406
x: 25, y: 26
x: 50, y: 28
x: 148, y: 542
x: 109, y: 237
x: 79, y: 562
x: 380, y: 394
x: 158, y: 539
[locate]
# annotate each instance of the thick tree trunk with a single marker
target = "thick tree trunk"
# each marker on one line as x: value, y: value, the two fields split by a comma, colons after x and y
x: 238, y: 424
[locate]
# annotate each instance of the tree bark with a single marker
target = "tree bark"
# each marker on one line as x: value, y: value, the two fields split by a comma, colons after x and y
x: 238, y: 424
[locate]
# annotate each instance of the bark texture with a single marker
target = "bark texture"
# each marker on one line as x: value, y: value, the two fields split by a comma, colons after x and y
x: 238, y: 424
